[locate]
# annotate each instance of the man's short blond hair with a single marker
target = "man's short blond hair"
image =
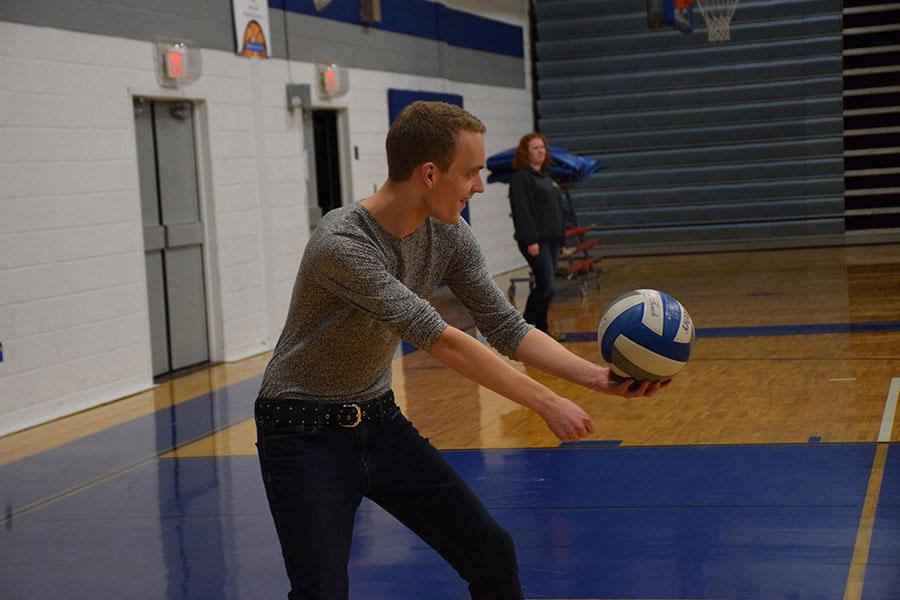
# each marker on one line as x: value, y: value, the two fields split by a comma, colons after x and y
x: 423, y: 132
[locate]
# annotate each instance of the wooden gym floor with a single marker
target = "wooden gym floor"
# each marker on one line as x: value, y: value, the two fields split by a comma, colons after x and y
x: 769, y: 468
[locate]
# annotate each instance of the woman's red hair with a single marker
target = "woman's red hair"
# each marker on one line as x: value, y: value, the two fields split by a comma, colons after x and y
x: 520, y: 160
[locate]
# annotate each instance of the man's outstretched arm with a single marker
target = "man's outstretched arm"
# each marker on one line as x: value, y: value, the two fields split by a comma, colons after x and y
x: 539, y: 350
x: 468, y: 357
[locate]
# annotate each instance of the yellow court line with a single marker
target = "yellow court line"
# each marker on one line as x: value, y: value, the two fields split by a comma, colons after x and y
x: 71, y: 491
x: 25, y: 443
x: 857, y: 574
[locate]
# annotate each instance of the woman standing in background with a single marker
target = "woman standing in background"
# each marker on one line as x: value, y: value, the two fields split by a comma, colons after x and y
x: 535, y: 200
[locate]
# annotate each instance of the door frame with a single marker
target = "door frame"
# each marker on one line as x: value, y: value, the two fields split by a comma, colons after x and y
x: 345, y: 158
x: 345, y: 155
x: 203, y: 162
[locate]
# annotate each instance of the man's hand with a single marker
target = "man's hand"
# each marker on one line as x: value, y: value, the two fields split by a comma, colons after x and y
x: 534, y: 249
x: 568, y: 421
x: 609, y: 383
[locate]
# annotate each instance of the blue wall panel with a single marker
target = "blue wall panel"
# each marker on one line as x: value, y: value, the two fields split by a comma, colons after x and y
x: 424, y: 19
x: 400, y: 99
x: 465, y: 30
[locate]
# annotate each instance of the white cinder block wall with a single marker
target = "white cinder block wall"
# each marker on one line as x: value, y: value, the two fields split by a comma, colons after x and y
x: 73, y: 314
x: 73, y: 306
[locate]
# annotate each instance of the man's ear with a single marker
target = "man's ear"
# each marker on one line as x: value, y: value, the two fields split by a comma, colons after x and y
x: 427, y: 173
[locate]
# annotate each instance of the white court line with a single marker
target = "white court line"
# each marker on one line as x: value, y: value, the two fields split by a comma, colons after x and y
x: 890, y: 408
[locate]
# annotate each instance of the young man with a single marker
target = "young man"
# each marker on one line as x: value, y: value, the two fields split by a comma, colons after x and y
x: 328, y: 430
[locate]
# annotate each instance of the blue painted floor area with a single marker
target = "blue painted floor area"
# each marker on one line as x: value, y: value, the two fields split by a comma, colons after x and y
x: 883, y: 572
x: 56, y: 470
x: 737, y: 522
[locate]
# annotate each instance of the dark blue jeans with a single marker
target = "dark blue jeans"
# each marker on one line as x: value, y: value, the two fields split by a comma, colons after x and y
x: 316, y: 477
x: 543, y: 267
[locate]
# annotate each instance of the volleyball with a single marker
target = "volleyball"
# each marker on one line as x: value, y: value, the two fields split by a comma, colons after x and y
x: 646, y: 335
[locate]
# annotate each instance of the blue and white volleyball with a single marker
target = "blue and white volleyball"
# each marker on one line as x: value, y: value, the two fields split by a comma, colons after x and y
x: 646, y: 335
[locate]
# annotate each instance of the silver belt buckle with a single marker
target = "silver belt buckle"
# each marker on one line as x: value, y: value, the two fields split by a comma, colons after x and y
x: 356, y: 421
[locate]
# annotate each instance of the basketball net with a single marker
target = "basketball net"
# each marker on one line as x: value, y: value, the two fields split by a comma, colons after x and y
x: 717, y: 14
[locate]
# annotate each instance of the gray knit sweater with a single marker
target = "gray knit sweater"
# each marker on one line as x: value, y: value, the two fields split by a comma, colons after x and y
x: 360, y: 290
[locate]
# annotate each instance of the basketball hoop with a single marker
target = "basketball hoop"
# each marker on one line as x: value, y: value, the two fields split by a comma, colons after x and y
x: 717, y: 14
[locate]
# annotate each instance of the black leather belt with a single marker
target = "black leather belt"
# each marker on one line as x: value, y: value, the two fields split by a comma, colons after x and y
x: 283, y: 412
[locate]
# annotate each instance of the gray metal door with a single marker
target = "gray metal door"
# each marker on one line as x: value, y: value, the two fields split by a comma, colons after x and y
x: 173, y: 234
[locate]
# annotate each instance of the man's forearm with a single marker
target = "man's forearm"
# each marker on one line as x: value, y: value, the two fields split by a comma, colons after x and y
x: 465, y: 355
x: 539, y: 350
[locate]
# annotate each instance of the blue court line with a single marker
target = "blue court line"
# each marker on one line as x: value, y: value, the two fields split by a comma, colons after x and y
x: 592, y: 444
x: 768, y: 330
